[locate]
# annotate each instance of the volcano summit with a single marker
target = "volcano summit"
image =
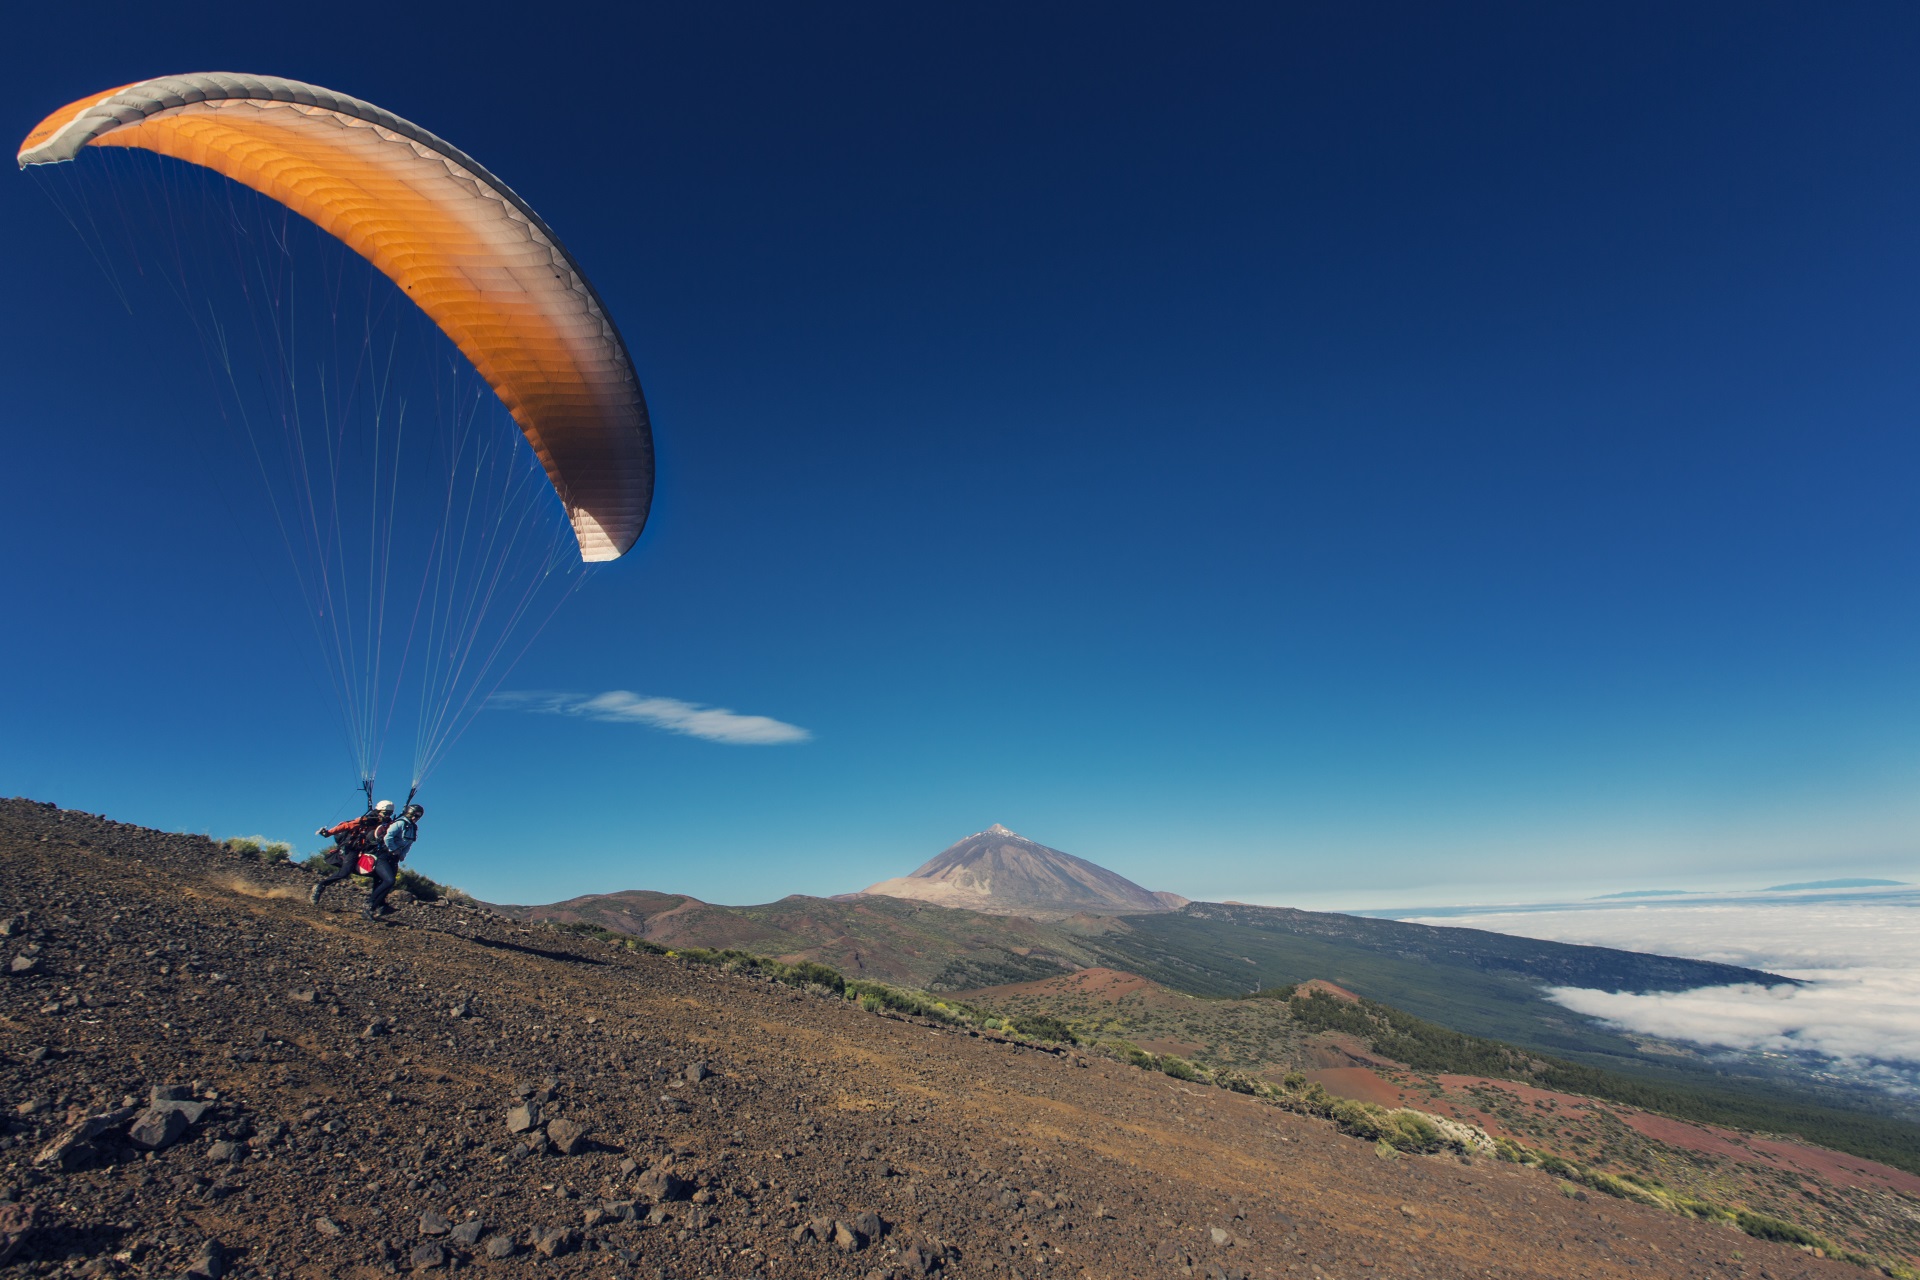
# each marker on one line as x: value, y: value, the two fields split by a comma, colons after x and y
x: 1002, y: 873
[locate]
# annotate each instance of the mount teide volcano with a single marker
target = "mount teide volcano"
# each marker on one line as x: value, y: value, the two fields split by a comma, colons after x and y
x: 1002, y: 873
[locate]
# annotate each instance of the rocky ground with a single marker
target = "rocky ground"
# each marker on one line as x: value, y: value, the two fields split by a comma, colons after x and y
x: 206, y: 1075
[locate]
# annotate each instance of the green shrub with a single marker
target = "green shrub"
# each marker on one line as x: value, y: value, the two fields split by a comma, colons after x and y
x: 878, y: 996
x: 1361, y: 1119
x: 1764, y: 1227
x: 801, y: 973
x: 1040, y: 1026
x: 1414, y: 1132
x: 259, y: 848
x: 1621, y: 1189
x: 807, y: 973
x: 1178, y: 1068
x: 1131, y: 1054
x: 429, y: 890
x: 586, y: 929
x: 1400, y: 1129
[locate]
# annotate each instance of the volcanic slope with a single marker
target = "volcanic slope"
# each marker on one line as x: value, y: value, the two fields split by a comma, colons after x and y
x: 351, y: 1088
x: 1870, y: 1207
x: 1485, y: 983
x: 888, y: 939
x: 999, y: 872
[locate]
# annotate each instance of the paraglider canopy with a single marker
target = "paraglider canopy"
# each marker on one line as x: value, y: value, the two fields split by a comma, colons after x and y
x: 462, y: 246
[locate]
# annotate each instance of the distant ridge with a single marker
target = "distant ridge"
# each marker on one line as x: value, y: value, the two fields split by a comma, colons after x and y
x: 1851, y: 883
x: 1644, y: 893
x: 1002, y: 873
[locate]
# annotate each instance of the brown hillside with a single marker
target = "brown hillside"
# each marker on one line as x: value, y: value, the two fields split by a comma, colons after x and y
x: 1864, y: 1205
x: 342, y: 1093
x: 889, y: 939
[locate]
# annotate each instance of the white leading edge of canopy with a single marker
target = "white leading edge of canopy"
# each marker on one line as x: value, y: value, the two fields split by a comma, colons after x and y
x: 595, y: 546
x: 38, y: 155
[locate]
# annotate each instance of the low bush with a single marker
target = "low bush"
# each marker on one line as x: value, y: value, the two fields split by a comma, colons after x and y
x: 1131, y: 1054
x: 259, y: 848
x: 876, y: 997
x: 429, y: 890
x: 801, y: 973
x: 1642, y: 1189
x: 1040, y: 1026
x: 1400, y: 1129
x: 611, y: 937
x: 1237, y: 1083
x: 1765, y: 1227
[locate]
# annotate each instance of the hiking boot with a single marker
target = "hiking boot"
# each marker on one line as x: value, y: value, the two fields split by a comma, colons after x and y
x: 313, y: 896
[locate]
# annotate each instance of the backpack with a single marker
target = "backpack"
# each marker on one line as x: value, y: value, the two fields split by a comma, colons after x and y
x: 356, y: 838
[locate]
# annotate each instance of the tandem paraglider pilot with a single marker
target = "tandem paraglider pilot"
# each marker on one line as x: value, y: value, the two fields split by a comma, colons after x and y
x: 373, y: 844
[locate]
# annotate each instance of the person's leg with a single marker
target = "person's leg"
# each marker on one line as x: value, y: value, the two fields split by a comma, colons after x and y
x: 384, y: 876
x: 341, y: 871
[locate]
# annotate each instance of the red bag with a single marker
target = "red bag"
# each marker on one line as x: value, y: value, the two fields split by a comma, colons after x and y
x: 364, y: 864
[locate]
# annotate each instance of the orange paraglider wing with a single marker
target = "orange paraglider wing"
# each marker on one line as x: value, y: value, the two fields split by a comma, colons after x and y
x: 467, y: 250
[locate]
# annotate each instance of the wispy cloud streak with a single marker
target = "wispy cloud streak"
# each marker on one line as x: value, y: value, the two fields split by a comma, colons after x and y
x: 715, y: 724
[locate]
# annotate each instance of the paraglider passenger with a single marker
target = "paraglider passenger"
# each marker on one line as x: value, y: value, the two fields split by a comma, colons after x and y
x: 351, y: 840
x: 395, y: 838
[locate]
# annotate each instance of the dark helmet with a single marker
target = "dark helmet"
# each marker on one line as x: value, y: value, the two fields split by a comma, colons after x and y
x: 414, y: 811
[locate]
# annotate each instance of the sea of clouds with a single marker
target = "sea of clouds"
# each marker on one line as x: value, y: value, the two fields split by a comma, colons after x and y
x: 1860, y: 961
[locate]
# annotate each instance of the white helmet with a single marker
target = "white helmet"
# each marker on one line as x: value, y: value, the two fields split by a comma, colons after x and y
x: 384, y: 808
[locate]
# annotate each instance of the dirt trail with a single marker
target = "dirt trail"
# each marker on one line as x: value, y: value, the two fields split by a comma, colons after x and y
x: 359, y: 1079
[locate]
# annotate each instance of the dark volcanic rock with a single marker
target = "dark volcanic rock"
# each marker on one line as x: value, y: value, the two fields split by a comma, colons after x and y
x: 552, y: 1242
x: 210, y: 1263
x: 16, y: 1225
x: 568, y: 1138
x: 158, y: 1128
x: 662, y: 1186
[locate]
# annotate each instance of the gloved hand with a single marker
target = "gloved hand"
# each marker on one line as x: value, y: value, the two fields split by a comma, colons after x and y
x: 319, y: 831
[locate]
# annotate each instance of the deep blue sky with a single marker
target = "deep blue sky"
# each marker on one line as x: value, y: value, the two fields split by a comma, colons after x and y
x: 1325, y: 454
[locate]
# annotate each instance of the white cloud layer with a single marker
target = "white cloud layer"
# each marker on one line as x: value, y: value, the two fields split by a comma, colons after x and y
x: 715, y: 724
x: 1861, y: 963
